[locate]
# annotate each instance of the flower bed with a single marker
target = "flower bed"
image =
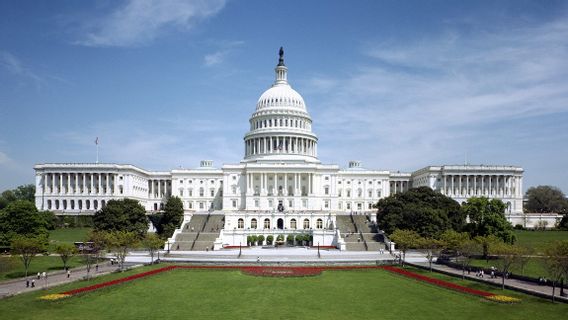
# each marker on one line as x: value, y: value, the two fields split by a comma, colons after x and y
x: 449, y: 285
x: 285, y: 271
x: 282, y: 271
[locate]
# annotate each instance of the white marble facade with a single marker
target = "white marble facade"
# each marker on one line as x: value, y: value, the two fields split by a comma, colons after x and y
x: 280, y: 167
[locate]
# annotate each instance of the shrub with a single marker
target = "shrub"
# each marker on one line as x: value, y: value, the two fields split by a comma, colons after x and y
x: 249, y: 240
x: 254, y: 239
x: 280, y: 238
x: 260, y: 239
x: 269, y: 239
x: 290, y: 239
x: 519, y: 227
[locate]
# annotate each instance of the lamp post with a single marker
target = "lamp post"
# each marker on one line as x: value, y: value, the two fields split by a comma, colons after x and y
x: 319, y: 256
x: 168, y: 242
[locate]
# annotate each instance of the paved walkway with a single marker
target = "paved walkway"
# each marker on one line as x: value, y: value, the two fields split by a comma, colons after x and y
x: 54, y: 278
x: 514, y: 284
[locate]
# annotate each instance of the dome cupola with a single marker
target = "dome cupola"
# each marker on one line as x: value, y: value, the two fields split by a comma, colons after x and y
x: 281, y: 127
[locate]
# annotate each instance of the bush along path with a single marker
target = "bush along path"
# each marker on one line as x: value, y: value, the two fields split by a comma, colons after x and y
x: 289, y: 272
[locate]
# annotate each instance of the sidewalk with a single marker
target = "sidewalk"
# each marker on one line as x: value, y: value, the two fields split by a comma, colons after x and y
x: 513, y: 284
x: 55, y: 278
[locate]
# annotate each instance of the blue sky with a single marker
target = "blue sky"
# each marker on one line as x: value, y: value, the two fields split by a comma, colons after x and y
x: 396, y: 84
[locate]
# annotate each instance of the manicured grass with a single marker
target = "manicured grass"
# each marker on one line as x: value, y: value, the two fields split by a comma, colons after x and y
x: 230, y: 294
x: 534, y: 268
x: 68, y: 235
x: 15, y: 267
x: 538, y: 240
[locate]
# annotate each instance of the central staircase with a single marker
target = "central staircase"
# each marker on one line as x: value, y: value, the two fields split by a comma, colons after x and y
x: 359, y: 233
x: 200, y: 233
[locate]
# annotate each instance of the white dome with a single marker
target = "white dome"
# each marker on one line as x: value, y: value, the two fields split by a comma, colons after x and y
x: 281, y: 95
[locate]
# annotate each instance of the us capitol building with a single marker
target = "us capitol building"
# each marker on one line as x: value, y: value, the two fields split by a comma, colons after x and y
x: 279, y: 185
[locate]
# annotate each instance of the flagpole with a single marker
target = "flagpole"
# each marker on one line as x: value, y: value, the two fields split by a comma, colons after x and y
x: 97, y: 153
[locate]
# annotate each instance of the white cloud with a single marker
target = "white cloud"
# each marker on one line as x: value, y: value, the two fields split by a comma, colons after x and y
x: 219, y: 56
x: 12, y: 64
x: 434, y: 100
x: 4, y: 159
x: 141, y: 21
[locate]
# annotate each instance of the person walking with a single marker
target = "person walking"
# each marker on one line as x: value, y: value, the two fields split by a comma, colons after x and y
x: 38, y: 275
x: 68, y: 274
x: 33, y: 283
x: 27, y: 283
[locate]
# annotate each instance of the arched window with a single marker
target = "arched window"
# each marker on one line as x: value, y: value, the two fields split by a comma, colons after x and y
x: 64, y: 204
x: 241, y: 223
x: 253, y: 224
x: 48, y: 204
x: 95, y: 204
x: 266, y: 223
x: 319, y: 224
x: 103, y: 203
x: 73, y: 204
x: 306, y: 224
x: 293, y: 224
x: 87, y: 204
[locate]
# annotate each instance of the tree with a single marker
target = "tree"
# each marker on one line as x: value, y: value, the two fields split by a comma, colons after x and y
x: 433, y: 247
x: 462, y: 246
x: 423, y: 210
x: 404, y: 240
x: 546, y: 199
x: 97, y: 242
x: 122, y: 215
x: 509, y: 255
x: 486, y: 242
x: 487, y: 217
x: 28, y: 247
x: 557, y: 262
x: 21, y: 217
x: 120, y: 242
x: 563, y: 224
x: 173, y: 216
x: 24, y: 192
x: 65, y: 251
x: 153, y: 243
x: 269, y: 239
x: 260, y: 239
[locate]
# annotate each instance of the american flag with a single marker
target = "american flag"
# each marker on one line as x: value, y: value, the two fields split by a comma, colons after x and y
x: 97, y: 140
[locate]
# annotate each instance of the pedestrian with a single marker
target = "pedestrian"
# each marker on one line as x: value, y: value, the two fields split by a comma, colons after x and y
x: 257, y: 259
x: 97, y: 267
x: 44, y: 275
x: 482, y: 273
x: 492, y: 274
x: 27, y: 283
x: 68, y: 274
x: 33, y: 283
x: 38, y: 275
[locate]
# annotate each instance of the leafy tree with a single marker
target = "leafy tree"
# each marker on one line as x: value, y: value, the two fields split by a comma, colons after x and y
x: 98, y: 241
x: 122, y: 215
x: 563, y: 224
x: 65, y: 251
x: 173, y: 216
x: 27, y: 247
x: 404, y: 240
x: 433, y: 247
x: 461, y: 244
x: 50, y: 219
x: 120, y: 242
x: 487, y: 217
x: 21, y: 217
x: 24, y: 192
x: 546, y: 199
x: 423, y: 210
x: 509, y: 255
x: 486, y: 242
x: 153, y: 243
x: 557, y: 261
x: 290, y: 239
x: 269, y: 239
x: 260, y: 239
x: 249, y: 240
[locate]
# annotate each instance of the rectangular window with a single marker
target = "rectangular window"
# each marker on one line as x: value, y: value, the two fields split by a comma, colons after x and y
x: 234, y: 203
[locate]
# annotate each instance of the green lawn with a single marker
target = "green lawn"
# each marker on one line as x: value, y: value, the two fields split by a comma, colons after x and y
x: 68, y: 235
x: 229, y: 294
x: 538, y: 240
x: 534, y: 268
x: 14, y: 268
